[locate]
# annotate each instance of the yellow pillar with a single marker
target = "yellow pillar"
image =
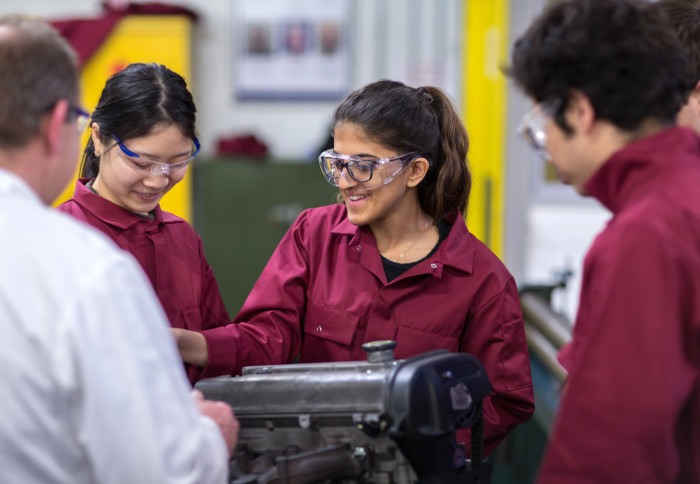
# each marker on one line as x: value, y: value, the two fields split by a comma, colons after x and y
x: 486, y: 45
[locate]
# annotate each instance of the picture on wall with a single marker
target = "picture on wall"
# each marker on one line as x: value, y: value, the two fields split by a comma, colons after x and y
x: 291, y: 49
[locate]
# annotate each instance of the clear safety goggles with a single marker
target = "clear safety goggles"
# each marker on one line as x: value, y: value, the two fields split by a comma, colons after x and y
x: 532, y: 128
x: 155, y: 168
x: 82, y: 118
x: 362, y: 170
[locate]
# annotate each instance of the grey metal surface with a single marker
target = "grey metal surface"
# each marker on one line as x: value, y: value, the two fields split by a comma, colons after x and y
x: 352, y: 422
x: 289, y: 392
x: 538, y: 314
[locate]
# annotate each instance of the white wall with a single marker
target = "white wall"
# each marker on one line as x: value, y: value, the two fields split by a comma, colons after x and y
x: 549, y: 226
x: 51, y: 8
x: 379, y: 40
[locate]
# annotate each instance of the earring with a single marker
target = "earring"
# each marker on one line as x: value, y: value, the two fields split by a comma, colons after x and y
x: 97, y: 153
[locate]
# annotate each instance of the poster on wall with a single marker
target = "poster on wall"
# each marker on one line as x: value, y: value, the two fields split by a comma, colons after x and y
x: 291, y: 49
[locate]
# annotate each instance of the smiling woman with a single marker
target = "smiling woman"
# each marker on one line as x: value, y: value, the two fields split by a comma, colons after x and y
x: 141, y: 143
x: 150, y: 167
x: 393, y: 261
x: 133, y: 181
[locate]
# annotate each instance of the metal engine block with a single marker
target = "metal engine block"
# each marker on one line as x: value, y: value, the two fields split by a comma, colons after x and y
x: 378, y: 421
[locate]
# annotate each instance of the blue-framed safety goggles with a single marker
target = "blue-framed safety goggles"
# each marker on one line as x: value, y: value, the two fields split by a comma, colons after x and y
x: 151, y: 167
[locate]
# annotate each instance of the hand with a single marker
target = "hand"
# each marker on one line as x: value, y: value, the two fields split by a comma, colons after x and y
x: 222, y: 414
x: 192, y: 347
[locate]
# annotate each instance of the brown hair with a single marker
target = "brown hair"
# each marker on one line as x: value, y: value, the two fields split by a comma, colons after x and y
x: 37, y: 69
x: 423, y: 120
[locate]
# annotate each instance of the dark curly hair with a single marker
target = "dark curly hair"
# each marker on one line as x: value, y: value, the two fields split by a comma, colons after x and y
x: 684, y: 18
x: 617, y: 52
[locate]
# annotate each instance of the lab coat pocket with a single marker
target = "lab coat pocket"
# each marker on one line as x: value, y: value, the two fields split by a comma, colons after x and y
x: 515, y: 361
x: 330, y: 324
x: 412, y: 341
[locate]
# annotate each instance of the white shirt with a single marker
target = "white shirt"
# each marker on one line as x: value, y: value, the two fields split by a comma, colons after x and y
x: 91, y: 386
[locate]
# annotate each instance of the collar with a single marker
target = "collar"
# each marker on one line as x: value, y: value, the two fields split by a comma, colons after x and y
x: 630, y: 172
x: 12, y: 184
x: 112, y: 213
x: 456, y: 251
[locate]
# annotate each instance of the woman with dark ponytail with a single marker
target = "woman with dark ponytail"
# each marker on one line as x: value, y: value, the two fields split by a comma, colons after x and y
x: 142, y: 140
x: 392, y: 261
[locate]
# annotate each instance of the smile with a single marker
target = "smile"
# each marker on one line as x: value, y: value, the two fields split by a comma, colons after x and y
x: 355, y: 198
x: 148, y: 196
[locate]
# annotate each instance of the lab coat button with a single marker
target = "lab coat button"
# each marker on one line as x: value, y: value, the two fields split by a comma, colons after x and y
x: 358, y: 248
x: 434, y: 266
x: 319, y: 329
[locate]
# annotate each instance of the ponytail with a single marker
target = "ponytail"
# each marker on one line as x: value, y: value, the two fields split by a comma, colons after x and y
x: 447, y: 189
x: 90, y: 165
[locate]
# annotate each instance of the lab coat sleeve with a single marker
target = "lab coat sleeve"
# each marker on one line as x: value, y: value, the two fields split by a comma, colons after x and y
x: 132, y: 407
x: 495, y: 334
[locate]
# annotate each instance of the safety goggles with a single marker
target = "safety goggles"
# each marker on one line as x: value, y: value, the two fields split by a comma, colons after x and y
x: 362, y: 170
x: 82, y: 118
x: 532, y: 127
x: 154, y: 168
x: 76, y: 114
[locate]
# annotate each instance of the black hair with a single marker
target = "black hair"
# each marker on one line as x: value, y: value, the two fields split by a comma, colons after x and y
x: 683, y: 16
x: 617, y: 52
x: 133, y: 101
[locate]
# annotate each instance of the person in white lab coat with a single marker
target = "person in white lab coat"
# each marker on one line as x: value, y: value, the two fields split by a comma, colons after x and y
x: 92, y: 385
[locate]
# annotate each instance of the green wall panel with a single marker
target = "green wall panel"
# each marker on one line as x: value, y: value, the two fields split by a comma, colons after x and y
x: 242, y: 208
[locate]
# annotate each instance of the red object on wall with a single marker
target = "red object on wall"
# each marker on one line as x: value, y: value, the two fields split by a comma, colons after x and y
x: 243, y: 145
x: 87, y: 35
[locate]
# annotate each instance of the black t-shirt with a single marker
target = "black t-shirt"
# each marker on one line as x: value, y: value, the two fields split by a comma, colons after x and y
x: 395, y: 269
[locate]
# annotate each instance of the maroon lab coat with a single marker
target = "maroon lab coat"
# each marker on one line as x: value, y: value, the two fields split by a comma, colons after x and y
x: 324, y: 293
x: 169, y: 251
x: 631, y: 409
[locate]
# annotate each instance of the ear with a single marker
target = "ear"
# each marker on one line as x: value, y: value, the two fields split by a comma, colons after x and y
x: 695, y: 95
x: 95, y: 135
x: 51, y: 129
x: 580, y: 113
x: 417, y: 171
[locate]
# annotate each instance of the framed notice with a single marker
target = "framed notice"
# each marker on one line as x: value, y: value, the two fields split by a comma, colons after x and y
x: 291, y: 49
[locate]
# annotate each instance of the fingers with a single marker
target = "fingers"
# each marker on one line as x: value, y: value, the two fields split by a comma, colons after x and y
x: 197, y: 396
x: 222, y: 414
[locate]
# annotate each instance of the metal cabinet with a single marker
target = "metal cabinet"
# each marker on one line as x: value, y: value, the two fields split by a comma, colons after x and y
x: 243, y: 207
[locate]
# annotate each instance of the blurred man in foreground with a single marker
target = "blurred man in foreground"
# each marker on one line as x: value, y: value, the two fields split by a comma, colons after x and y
x: 92, y: 387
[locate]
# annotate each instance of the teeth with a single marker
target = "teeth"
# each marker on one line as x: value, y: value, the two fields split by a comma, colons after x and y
x: 357, y: 197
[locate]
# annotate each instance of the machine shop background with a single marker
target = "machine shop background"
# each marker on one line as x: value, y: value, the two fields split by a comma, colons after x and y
x: 242, y: 202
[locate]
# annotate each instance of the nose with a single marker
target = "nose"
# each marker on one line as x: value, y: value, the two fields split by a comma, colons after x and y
x: 345, y: 181
x: 156, y: 181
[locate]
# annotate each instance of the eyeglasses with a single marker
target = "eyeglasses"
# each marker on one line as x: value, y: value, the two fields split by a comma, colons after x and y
x: 361, y: 169
x: 82, y: 118
x: 154, y: 168
x: 532, y: 127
